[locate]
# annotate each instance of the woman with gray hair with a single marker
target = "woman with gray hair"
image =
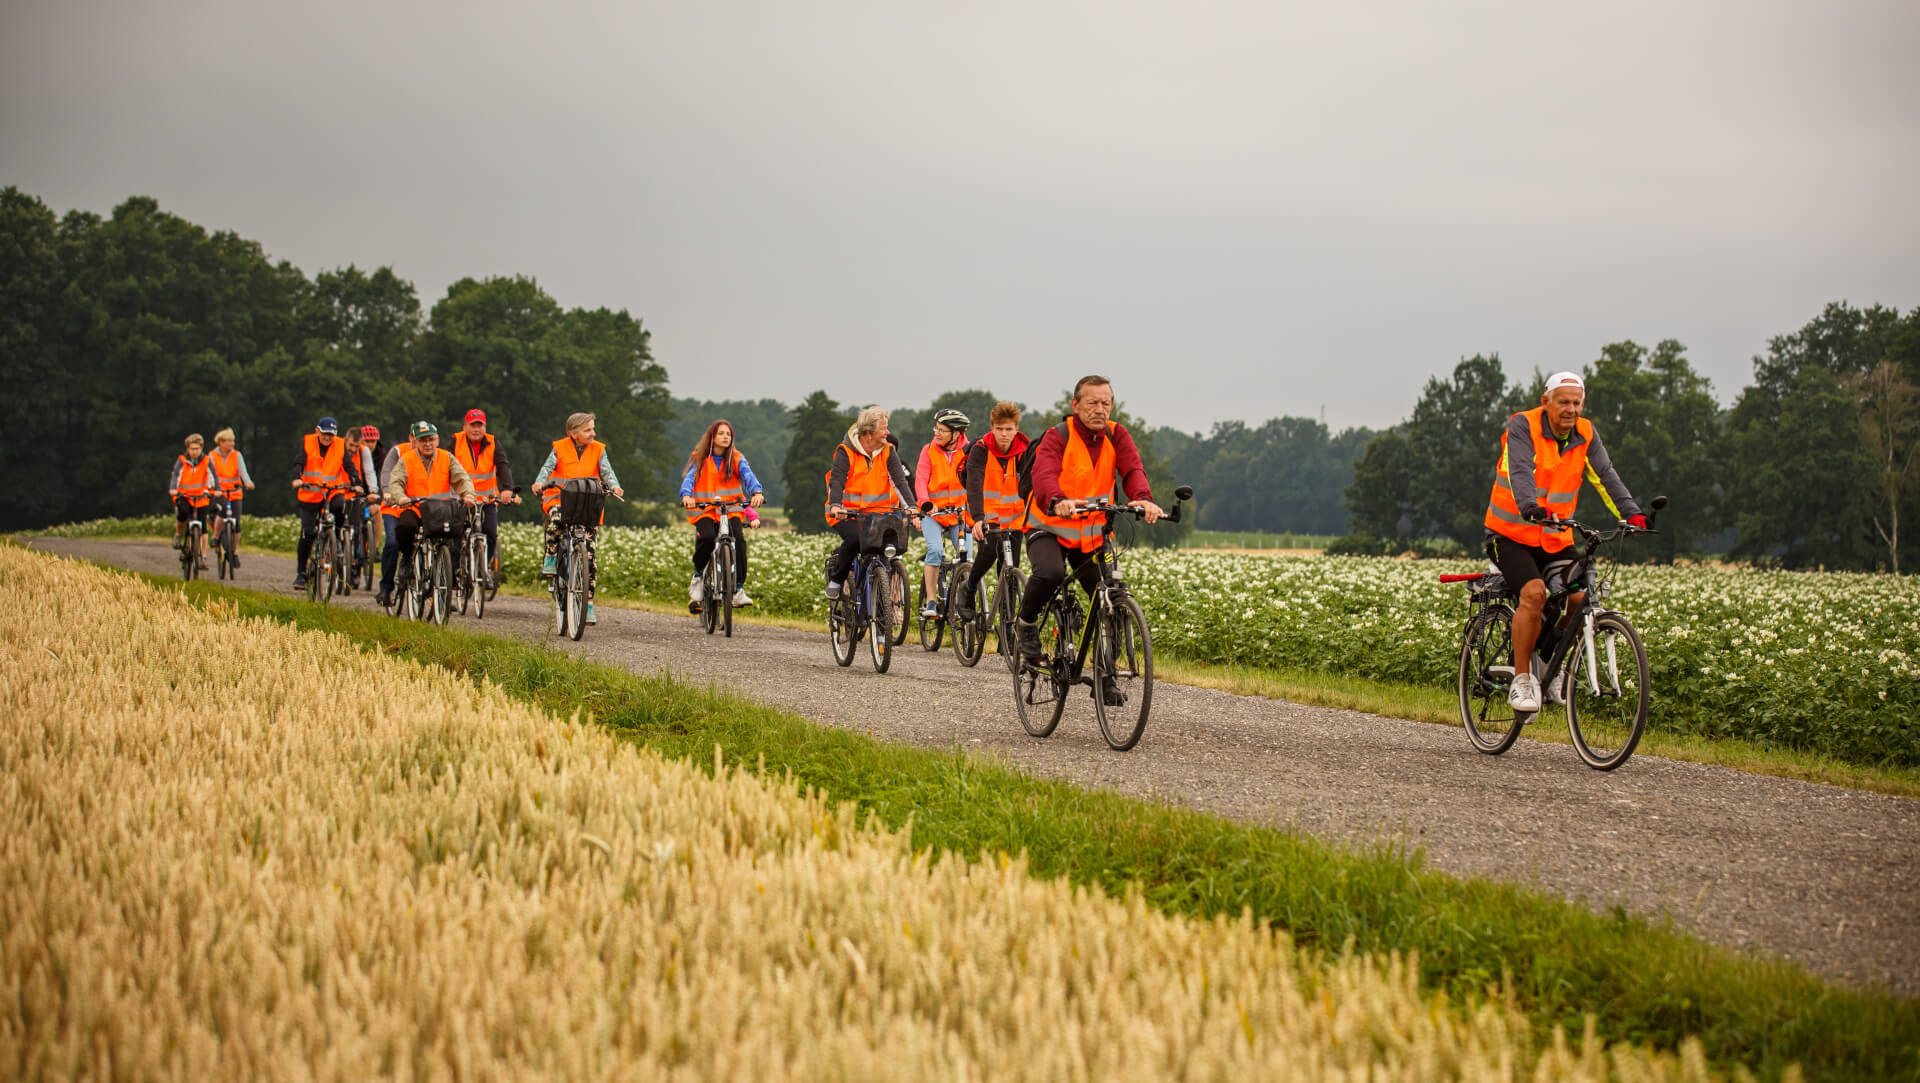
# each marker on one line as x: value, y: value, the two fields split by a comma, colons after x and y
x: 866, y: 476
x: 575, y: 455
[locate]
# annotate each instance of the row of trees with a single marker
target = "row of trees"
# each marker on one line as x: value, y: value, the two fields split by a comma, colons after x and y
x: 1813, y: 465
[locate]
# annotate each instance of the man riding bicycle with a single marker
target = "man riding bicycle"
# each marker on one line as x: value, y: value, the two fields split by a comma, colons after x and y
x: 866, y: 476
x: 192, y: 486
x: 992, y: 482
x: 319, y: 465
x: 1075, y: 462
x: 575, y: 455
x: 423, y: 472
x: 486, y: 463
x: 1544, y: 453
x: 936, y: 484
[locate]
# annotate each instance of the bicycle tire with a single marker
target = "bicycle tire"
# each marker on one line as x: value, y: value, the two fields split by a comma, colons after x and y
x: 933, y: 629
x: 224, y: 559
x: 189, y: 563
x: 342, y: 562
x: 969, y: 636
x: 577, y: 597
x: 442, y: 573
x: 1040, y: 688
x: 880, y: 617
x: 493, y: 576
x: 902, y: 599
x: 709, y: 610
x: 415, y: 601
x: 1122, y: 635
x: 313, y: 571
x: 557, y: 586
x: 402, y: 583
x: 369, y: 559
x: 463, y: 577
x: 1606, y: 728
x: 323, y: 563
x: 1006, y: 608
x: 726, y: 588
x: 476, y: 573
x: 1486, y: 648
x: 840, y: 629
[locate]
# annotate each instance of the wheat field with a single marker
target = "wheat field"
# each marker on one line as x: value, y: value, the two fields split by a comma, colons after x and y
x: 233, y: 850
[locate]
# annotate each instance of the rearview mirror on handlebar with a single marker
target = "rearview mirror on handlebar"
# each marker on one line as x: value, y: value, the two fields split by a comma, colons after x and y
x: 1184, y: 492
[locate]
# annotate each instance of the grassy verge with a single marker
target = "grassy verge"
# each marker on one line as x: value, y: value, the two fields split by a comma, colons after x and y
x: 1643, y: 981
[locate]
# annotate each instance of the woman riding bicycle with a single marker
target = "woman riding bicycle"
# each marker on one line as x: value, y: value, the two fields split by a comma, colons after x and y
x: 230, y: 469
x: 717, y: 471
x: 936, y: 484
x: 1076, y: 461
x: 191, y: 485
x: 866, y: 476
x: 575, y: 455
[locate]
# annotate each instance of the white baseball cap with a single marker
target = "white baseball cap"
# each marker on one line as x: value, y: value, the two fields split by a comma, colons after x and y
x: 1566, y: 379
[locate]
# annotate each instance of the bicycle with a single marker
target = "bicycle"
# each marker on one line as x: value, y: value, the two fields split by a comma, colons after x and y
x: 428, y: 571
x: 722, y: 576
x: 952, y: 571
x: 1605, y: 714
x: 343, y: 570
x: 581, y: 502
x: 1116, y: 641
x: 472, y: 571
x: 325, y: 570
x: 193, y: 544
x: 226, y: 543
x: 970, y: 636
x: 867, y: 604
x: 362, y: 561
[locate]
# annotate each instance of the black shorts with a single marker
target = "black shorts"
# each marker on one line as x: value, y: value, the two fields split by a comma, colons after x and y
x: 1521, y: 564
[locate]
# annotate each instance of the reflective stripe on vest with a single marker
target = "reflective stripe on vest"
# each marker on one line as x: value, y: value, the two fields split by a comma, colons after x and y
x: 196, y: 481
x: 713, y: 483
x: 1556, y: 482
x: 869, y: 482
x: 571, y: 462
x: 425, y: 481
x: 226, y: 468
x: 1000, y: 491
x: 323, y: 468
x: 479, y: 469
x: 943, y: 480
x: 1081, y: 478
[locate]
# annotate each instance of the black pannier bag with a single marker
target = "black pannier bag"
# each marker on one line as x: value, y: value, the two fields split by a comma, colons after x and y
x: 441, y: 517
x: 881, y: 529
x: 582, y: 500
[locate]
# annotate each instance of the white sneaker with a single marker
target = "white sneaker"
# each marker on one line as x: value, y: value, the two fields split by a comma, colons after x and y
x: 693, y: 590
x: 1556, y: 690
x: 740, y: 599
x: 1524, y: 696
x: 833, y: 591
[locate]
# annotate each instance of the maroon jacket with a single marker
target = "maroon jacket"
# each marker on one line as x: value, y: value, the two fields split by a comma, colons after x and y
x: 1126, y: 462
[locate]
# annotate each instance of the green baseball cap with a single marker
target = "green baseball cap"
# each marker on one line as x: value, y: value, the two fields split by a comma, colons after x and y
x: 423, y: 428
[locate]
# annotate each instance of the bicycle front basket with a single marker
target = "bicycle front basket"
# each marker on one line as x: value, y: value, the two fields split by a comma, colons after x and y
x: 881, y: 529
x: 440, y: 518
x: 582, y: 500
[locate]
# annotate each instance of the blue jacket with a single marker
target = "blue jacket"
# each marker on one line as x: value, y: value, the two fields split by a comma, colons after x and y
x: 749, y: 484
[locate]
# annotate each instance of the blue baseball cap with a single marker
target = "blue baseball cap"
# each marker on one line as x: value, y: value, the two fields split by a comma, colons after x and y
x: 327, y: 424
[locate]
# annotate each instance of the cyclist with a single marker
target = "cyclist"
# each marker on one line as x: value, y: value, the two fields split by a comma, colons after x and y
x: 1544, y: 453
x: 422, y: 471
x: 575, y: 455
x: 321, y: 461
x: 388, y: 520
x: 486, y: 463
x: 358, y: 462
x: 230, y: 468
x: 1076, y: 461
x: 377, y: 447
x: 191, y: 485
x: 993, y: 494
x: 717, y: 471
x: 936, y: 482
x: 866, y: 475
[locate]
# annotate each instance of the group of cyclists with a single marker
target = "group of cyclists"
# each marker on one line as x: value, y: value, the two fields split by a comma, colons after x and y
x: 958, y: 492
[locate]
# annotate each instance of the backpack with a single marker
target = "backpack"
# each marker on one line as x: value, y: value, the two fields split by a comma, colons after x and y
x: 1025, y: 462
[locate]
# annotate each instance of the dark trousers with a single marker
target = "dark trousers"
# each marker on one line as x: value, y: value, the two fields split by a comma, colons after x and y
x: 402, y: 534
x: 842, y: 560
x: 490, y: 526
x: 1049, y: 561
x: 389, y: 554
x: 706, y: 531
x: 310, y: 525
x: 988, y: 556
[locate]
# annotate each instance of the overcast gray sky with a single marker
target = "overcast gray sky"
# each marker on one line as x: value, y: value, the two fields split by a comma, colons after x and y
x: 1235, y: 210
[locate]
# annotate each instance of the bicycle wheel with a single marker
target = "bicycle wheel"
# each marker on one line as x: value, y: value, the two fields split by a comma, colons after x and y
x: 416, y: 576
x: 1606, y: 726
x: 442, y: 601
x: 840, y: 628
x: 1122, y: 673
x: 902, y: 599
x: 189, y: 561
x: 577, y: 596
x: 1486, y: 673
x: 557, y: 586
x: 1006, y: 607
x: 934, y: 629
x: 314, y: 569
x: 709, y: 603
x: 493, y: 576
x: 402, y: 586
x: 969, y: 636
x: 342, y: 563
x: 881, y: 618
x: 368, y: 559
x: 324, y: 560
x: 723, y: 556
x: 477, y: 579
x: 223, y: 556
x: 1040, y: 688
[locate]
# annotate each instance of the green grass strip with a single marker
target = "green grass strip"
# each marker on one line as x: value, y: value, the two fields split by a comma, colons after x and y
x: 1645, y: 981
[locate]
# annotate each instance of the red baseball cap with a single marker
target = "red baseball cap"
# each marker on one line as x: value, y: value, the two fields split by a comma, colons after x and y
x: 476, y: 415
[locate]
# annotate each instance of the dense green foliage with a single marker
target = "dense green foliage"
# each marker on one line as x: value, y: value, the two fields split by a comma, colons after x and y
x: 1286, y: 476
x: 1642, y: 981
x: 762, y: 429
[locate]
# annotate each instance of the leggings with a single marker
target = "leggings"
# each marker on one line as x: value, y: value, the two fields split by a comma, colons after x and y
x: 706, y: 532
x: 1050, y: 560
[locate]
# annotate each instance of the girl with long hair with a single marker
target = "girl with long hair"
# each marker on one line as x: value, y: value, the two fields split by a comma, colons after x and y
x: 717, y: 471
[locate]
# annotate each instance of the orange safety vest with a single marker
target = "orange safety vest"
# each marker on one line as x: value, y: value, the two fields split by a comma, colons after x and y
x: 1556, y: 481
x: 1000, y: 489
x: 869, y: 482
x: 425, y: 481
x: 713, y: 483
x: 227, y: 469
x: 196, y: 481
x: 1081, y: 478
x: 479, y: 467
x: 328, y: 468
x: 943, y: 480
x: 569, y: 462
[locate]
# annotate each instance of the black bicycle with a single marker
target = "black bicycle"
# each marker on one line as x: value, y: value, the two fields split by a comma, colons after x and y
x: 582, y: 502
x: 473, y: 572
x: 423, y: 583
x: 1579, y: 665
x: 869, y: 605
x: 1115, y: 653
x: 722, y: 576
x: 226, y: 541
x: 995, y: 616
x: 953, y: 570
x: 362, y: 561
x: 326, y: 561
x: 193, y: 544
